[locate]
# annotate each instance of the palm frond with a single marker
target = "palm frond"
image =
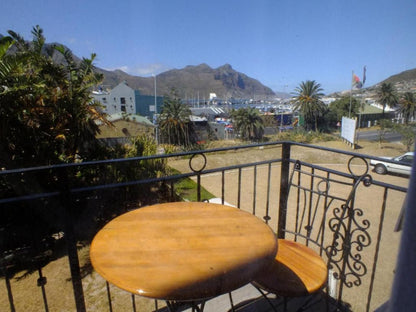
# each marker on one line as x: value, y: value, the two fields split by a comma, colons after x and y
x: 21, y: 44
x: 5, y: 44
x: 38, y: 39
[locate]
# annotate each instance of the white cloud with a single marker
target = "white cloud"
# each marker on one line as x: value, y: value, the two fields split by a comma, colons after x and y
x: 71, y: 40
x: 125, y: 69
x: 142, y: 70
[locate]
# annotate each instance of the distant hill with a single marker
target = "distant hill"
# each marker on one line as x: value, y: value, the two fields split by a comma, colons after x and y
x: 194, y: 81
x: 403, y: 82
x: 113, y: 78
x: 408, y: 75
x: 190, y: 82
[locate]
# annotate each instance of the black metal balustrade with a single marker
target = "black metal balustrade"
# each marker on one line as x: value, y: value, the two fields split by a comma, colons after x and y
x: 48, y: 212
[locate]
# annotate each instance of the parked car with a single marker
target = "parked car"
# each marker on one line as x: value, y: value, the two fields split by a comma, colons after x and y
x: 405, y: 166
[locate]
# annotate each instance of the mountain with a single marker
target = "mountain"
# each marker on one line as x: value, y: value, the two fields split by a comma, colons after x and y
x: 405, y: 76
x: 113, y: 78
x: 193, y: 82
x: 189, y: 82
x: 403, y: 82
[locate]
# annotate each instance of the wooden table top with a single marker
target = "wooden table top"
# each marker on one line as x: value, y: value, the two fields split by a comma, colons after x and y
x: 183, y: 250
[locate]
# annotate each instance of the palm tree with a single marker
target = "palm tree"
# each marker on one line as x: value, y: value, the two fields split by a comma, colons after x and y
x: 248, y: 123
x: 80, y: 78
x: 387, y: 96
x: 46, y: 112
x: 308, y: 101
x: 407, y: 106
x: 174, y: 121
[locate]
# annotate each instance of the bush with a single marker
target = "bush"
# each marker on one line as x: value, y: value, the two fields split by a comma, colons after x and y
x: 302, y: 136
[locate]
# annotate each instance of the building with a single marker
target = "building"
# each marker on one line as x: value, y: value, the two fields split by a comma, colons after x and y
x: 210, y: 112
x: 124, y: 127
x: 124, y: 99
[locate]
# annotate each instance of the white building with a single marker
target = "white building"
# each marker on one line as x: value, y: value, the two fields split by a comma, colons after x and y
x: 328, y: 100
x: 124, y: 99
x: 120, y: 99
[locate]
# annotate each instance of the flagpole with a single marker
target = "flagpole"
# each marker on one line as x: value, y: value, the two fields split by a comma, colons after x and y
x: 352, y: 79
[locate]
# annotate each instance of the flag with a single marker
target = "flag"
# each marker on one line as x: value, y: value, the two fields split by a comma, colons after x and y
x: 356, y: 82
x: 364, y: 70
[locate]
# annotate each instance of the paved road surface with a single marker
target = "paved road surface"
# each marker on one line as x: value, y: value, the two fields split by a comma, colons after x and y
x: 372, y: 135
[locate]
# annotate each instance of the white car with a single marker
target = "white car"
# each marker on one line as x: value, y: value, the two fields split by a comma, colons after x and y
x: 405, y: 166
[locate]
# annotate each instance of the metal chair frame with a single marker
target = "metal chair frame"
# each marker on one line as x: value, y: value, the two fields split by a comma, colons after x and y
x: 348, y: 233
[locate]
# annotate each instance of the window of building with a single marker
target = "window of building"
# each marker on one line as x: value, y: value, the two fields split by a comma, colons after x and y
x: 123, y: 104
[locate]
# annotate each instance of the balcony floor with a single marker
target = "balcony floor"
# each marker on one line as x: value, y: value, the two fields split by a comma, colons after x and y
x: 248, y: 299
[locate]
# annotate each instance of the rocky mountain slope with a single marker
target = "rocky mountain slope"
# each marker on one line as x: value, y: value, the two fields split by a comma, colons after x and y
x: 403, y: 82
x: 195, y: 81
x: 189, y: 82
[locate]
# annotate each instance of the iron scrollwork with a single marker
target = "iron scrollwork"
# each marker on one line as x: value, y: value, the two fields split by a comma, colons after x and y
x: 350, y: 236
x: 193, y: 160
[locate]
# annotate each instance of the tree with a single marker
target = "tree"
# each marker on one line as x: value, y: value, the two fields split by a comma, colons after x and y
x: 270, y: 120
x: 248, y: 123
x: 46, y: 113
x: 46, y: 117
x: 174, y: 121
x: 407, y: 106
x: 385, y: 127
x: 408, y: 133
x: 307, y: 100
x: 341, y: 108
x: 387, y: 95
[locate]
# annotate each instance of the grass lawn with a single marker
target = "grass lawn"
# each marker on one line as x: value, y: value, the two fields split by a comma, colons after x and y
x: 187, y: 189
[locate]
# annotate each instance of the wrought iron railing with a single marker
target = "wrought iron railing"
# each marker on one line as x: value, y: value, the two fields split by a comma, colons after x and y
x: 51, y: 213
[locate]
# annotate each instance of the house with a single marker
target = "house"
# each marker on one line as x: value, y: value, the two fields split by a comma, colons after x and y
x: 210, y: 112
x: 124, y: 127
x: 124, y: 99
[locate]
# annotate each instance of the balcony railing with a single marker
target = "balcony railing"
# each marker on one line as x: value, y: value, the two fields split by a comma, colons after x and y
x: 50, y: 214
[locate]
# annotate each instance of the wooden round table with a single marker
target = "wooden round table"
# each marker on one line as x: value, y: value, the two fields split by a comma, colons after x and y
x: 183, y: 250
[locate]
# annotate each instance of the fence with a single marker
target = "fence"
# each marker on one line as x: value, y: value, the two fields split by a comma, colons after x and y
x: 49, y: 215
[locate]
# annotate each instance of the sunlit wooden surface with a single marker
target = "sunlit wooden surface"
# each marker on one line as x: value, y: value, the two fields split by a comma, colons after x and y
x: 183, y: 251
x: 296, y: 271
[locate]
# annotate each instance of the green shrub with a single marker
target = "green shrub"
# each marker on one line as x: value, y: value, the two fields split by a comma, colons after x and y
x: 170, y: 148
x: 302, y: 136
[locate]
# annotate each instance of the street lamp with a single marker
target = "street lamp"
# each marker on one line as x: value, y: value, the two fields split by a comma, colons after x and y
x: 155, y: 113
x: 281, y: 121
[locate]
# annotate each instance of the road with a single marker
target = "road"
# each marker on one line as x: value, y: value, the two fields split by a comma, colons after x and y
x: 372, y: 135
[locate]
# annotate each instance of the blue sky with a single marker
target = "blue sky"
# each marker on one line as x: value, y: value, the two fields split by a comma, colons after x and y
x: 278, y: 42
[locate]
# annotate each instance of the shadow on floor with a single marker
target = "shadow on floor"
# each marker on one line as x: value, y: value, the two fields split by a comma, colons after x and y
x: 315, y: 303
x: 248, y: 299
